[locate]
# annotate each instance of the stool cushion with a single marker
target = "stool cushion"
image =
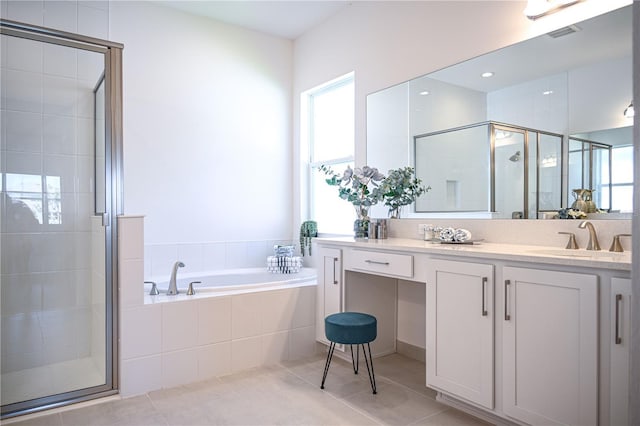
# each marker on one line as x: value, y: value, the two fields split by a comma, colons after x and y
x: 350, y: 328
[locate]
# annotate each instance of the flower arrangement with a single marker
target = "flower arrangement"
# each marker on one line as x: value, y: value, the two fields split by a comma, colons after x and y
x: 400, y: 188
x: 570, y: 213
x: 359, y: 186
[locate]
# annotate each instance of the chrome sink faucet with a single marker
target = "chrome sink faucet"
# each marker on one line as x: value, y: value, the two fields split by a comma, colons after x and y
x: 593, y: 238
x: 173, y: 286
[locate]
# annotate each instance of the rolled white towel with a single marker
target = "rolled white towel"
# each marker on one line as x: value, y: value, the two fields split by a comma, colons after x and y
x: 461, y: 235
x: 447, y: 234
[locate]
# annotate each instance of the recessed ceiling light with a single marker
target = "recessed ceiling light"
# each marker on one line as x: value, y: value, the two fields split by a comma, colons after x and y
x: 487, y: 74
x: 547, y: 92
x: 424, y: 93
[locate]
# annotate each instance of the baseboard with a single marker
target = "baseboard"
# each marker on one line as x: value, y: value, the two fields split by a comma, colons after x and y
x: 411, y: 351
x: 474, y: 411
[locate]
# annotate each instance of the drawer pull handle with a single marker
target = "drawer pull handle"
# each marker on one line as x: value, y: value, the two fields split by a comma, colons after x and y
x: 375, y: 262
x: 335, y: 260
x: 484, y: 308
x: 618, y: 301
x: 507, y: 283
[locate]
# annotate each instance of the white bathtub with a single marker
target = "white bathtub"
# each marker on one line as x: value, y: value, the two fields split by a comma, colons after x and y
x: 229, y: 282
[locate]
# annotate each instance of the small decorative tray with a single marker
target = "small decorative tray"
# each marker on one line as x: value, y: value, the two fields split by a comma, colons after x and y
x: 438, y: 240
x: 460, y: 242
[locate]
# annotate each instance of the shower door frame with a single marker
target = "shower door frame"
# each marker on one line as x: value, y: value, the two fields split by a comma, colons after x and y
x: 113, y: 204
x: 493, y: 125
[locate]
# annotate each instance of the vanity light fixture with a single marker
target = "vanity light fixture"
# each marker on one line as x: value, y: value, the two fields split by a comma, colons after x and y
x: 538, y: 8
x: 487, y: 74
x: 629, y: 112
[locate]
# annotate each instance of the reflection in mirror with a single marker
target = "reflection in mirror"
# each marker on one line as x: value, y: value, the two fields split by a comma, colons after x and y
x: 455, y: 163
x: 492, y: 170
x: 602, y: 161
x: 570, y: 84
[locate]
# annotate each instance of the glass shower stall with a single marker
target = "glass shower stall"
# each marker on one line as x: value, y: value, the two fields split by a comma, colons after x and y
x: 60, y: 166
x: 504, y: 170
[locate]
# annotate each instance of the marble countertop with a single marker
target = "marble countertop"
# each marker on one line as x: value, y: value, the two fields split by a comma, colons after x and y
x: 603, y: 259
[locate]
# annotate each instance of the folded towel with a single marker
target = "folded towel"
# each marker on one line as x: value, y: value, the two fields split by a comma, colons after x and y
x: 454, y: 235
x: 447, y: 234
x: 461, y: 235
x: 284, y: 264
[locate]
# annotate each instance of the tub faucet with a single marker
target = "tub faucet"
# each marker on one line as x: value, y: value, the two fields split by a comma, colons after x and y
x: 593, y: 238
x: 173, y: 286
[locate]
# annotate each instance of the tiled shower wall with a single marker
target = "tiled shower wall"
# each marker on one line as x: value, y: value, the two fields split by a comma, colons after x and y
x: 47, y: 157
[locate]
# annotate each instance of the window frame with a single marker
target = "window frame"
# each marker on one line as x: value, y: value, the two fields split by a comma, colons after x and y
x: 311, y: 164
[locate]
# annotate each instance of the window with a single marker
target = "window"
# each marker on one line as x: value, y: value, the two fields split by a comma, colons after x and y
x: 621, y: 179
x: 328, y: 124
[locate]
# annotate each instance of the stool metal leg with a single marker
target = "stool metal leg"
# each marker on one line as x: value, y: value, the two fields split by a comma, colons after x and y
x: 355, y: 362
x: 372, y: 375
x: 327, y: 363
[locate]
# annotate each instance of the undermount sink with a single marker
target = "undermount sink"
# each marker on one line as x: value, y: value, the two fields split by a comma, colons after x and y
x: 580, y: 253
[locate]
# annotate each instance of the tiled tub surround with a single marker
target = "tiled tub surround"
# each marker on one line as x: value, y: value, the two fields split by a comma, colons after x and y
x: 177, y: 341
x: 209, y: 256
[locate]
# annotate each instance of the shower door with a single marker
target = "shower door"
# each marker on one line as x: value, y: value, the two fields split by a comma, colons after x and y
x: 510, y: 154
x: 59, y: 141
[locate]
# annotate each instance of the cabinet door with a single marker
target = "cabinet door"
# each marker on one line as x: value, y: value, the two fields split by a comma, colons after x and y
x: 619, y: 353
x: 550, y: 347
x: 329, y: 289
x: 460, y: 320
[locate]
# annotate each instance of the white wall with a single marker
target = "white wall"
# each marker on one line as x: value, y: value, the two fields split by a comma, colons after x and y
x: 207, y: 126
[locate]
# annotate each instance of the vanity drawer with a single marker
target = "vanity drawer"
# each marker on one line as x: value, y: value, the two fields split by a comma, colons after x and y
x: 400, y: 265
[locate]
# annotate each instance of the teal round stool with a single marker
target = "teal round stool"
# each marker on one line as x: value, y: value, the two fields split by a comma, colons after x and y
x: 351, y: 328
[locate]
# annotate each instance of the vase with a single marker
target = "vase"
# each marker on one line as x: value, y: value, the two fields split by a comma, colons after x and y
x: 394, y: 213
x: 361, y: 224
x: 361, y: 228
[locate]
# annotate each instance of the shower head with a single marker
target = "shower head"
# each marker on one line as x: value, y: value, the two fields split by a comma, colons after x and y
x: 515, y: 157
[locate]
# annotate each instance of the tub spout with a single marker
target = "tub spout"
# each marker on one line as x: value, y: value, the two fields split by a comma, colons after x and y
x: 173, y: 286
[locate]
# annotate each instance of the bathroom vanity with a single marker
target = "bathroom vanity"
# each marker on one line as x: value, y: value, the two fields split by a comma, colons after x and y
x: 515, y: 334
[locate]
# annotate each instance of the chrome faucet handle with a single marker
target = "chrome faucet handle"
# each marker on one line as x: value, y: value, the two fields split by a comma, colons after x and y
x: 571, y: 244
x: 615, y: 244
x: 154, y: 288
x: 191, y: 291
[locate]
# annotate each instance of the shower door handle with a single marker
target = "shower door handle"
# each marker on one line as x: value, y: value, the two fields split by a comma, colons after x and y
x: 106, y: 219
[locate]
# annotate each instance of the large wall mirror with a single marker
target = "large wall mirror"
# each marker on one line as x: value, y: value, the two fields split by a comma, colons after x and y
x: 516, y: 144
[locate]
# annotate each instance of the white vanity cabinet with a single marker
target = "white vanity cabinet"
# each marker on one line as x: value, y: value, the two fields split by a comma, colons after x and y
x: 514, y: 334
x: 550, y: 347
x: 620, y: 310
x: 460, y: 329
x: 329, y: 289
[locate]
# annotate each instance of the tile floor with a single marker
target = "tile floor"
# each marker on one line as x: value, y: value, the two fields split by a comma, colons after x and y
x: 49, y: 379
x: 285, y: 394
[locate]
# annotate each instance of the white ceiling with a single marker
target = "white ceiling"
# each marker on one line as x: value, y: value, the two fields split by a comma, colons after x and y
x: 288, y: 19
x: 604, y: 37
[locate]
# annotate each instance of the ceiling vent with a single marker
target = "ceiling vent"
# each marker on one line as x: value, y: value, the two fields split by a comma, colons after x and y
x: 564, y: 31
